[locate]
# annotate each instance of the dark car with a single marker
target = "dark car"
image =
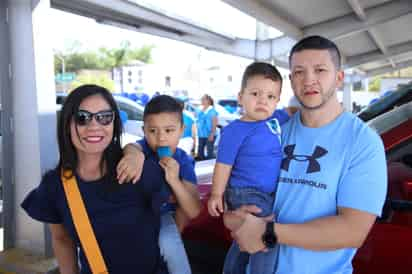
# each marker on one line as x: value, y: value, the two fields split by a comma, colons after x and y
x: 388, y: 246
x: 396, y: 98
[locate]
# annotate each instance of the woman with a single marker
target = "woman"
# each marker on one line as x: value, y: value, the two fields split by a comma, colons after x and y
x: 206, y: 128
x: 123, y: 217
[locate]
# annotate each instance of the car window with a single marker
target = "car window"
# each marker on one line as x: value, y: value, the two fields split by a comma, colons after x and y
x: 391, y: 119
x: 60, y: 99
x: 228, y: 102
x: 402, y: 96
x: 132, y: 112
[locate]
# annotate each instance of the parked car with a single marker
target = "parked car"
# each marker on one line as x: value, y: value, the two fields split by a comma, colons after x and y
x: 388, y: 246
x: 402, y: 95
x: 230, y: 104
x: 224, y: 117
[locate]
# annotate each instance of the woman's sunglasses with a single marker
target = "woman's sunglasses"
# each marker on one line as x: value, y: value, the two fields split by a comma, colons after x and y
x: 84, y: 117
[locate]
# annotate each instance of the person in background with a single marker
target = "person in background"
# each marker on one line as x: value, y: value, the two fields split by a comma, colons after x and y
x: 188, y: 141
x: 206, y: 128
x: 333, y: 179
x: 124, y: 218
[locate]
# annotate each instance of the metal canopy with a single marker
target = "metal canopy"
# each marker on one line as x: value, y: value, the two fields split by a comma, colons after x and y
x: 375, y: 36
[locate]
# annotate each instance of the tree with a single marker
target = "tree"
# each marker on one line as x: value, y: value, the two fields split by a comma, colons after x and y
x: 103, y: 59
x: 375, y: 84
x: 101, y: 80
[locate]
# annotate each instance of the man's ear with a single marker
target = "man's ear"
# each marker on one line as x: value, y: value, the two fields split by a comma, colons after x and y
x: 340, y: 76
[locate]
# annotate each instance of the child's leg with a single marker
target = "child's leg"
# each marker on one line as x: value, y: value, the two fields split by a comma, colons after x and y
x: 263, y: 262
x: 235, y: 261
x: 171, y: 246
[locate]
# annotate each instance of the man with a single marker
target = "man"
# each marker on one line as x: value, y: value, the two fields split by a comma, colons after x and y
x: 332, y: 183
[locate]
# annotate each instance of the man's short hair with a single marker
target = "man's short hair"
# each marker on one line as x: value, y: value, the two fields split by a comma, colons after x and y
x: 318, y: 43
x: 265, y: 70
x: 163, y: 104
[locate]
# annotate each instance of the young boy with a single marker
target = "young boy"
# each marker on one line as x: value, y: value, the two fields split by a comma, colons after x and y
x: 163, y: 127
x: 248, y: 160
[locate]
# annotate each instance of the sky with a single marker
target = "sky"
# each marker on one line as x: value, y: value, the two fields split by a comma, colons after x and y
x: 68, y: 28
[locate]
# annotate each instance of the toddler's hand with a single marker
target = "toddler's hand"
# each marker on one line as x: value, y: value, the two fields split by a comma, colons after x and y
x: 215, y: 205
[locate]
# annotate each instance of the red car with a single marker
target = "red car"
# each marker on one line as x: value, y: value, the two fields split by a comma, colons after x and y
x: 388, y: 248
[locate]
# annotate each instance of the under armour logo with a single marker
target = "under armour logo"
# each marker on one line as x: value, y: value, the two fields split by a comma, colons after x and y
x: 313, y: 166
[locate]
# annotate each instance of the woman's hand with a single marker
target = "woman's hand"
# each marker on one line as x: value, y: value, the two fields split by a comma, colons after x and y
x: 130, y: 167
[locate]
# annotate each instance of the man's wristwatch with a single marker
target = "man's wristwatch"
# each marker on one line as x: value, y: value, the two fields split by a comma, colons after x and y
x: 269, y: 237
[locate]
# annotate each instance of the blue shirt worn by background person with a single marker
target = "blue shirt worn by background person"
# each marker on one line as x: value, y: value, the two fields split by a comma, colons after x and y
x: 204, y: 122
x: 188, y: 123
x: 125, y: 218
x: 341, y: 164
x: 253, y: 150
x: 186, y: 170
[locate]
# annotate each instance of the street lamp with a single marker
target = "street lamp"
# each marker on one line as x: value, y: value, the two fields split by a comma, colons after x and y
x: 57, y: 54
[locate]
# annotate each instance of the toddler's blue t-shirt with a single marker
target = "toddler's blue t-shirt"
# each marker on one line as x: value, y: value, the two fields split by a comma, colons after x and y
x: 253, y: 150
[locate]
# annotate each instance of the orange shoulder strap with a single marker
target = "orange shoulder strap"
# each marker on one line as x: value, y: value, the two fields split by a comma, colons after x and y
x: 82, y: 223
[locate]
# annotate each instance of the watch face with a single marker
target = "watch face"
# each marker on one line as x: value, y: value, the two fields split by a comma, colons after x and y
x: 269, y: 237
x: 269, y: 240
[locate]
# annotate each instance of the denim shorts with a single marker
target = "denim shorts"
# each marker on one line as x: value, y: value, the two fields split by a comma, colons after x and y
x: 236, y: 197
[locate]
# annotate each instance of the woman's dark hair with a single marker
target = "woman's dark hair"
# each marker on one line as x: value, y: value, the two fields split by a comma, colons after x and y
x: 209, y: 98
x: 265, y: 70
x: 317, y: 42
x: 68, y: 155
x: 163, y: 104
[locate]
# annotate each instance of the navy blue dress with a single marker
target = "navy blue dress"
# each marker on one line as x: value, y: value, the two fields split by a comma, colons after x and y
x: 125, y: 219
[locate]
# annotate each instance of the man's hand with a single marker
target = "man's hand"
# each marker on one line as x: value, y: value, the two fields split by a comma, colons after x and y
x: 171, y: 168
x: 130, y: 167
x: 215, y: 205
x: 246, y: 228
x: 211, y: 137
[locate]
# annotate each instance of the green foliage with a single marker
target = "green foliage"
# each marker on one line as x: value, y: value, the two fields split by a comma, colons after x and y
x: 103, y: 59
x: 101, y: 80
x: 375, y: 84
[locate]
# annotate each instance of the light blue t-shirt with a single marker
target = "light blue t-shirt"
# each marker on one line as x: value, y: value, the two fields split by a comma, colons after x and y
x: 188, y: 123
x: 252, y: 149
x: 204, y: 122
x: 341, y: 164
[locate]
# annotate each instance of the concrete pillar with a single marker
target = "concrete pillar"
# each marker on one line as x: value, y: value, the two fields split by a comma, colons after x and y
x: 347, y: 92
x: 33, y: 111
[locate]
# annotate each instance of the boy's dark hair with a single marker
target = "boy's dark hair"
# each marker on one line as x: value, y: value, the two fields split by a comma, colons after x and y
x: 319, y: 43
x: 163, y: 104
x: 263, y: 69
x: 68, y: 159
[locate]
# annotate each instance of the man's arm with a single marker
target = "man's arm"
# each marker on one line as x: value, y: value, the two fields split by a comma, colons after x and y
x: 347, y: 229
x: 64, y: 249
